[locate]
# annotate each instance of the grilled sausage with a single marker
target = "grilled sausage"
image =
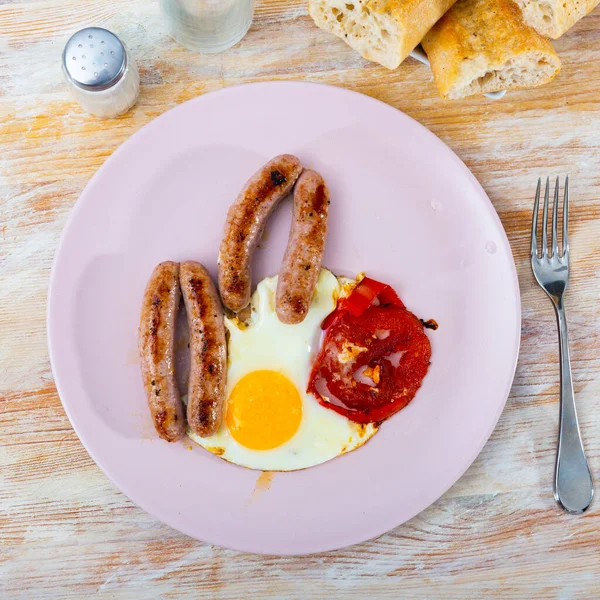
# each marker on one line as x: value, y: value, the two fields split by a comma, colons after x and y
x: 246, y: 220
x: 301, y: 264
x: 156, y: 339
x: 208, y: 349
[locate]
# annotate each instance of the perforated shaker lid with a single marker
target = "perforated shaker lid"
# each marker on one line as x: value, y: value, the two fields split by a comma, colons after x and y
x: 94, y: 59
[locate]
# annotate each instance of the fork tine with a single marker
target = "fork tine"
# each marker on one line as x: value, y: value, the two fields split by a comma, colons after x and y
x: 565, y: 234
x: 555, y: 219
x: 545, y: 219
x: 534, y: 225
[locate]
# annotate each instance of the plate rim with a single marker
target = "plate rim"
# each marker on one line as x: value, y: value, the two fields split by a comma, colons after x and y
x: 391, y: 523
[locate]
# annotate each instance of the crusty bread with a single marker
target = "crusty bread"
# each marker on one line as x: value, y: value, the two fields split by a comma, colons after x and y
x: 553, y: 17
x: 482, y: 46
x: 383, y: 31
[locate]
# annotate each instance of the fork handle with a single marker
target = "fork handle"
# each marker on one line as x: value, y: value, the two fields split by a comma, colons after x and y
x: 573, y: 486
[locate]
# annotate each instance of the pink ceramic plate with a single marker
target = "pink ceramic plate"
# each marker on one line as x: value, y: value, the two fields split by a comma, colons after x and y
x: 404, y: 209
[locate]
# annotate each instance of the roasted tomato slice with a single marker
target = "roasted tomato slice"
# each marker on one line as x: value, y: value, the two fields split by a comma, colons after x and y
x: 364, y: 295
x: 374, y: 356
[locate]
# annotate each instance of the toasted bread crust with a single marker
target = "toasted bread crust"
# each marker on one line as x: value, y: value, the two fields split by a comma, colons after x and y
x: 479, y: 46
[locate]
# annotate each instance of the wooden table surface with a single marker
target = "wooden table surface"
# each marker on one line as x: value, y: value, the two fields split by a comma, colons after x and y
x: 67, y: 532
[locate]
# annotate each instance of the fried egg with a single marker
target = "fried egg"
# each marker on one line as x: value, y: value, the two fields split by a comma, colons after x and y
x: 271, y: 423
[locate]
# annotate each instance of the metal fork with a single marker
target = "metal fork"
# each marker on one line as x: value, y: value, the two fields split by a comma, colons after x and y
x: 573, y: 486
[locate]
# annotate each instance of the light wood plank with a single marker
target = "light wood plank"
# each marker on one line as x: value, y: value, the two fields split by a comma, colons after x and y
x: 67, y: 532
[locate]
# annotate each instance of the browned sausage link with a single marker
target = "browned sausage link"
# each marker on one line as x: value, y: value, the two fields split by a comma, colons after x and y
x: 208, y: 349
x: 301, y: 264
x: 245, y: 223
x: 157, y: 350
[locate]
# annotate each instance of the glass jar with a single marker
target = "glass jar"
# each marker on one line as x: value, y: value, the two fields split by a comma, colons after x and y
x: 208, y: 26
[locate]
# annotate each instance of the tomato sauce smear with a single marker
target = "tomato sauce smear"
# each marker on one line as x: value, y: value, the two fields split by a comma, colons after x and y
x: 374, y: 356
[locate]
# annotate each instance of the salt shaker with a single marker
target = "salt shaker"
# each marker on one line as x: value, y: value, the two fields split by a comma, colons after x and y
x: 208, y: 26
x: 100, y: 73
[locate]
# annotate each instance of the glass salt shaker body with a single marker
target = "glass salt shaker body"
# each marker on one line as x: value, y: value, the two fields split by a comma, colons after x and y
x: 101, y: 74
x: 208, y: 26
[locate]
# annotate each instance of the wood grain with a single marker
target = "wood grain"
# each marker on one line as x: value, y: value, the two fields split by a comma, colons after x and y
x: 67, y: 532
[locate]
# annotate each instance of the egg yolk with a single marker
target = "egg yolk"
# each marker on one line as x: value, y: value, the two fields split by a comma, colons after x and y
x: 264, y: 410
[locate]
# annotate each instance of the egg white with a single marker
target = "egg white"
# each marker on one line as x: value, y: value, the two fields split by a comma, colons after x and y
x: 266, y: 343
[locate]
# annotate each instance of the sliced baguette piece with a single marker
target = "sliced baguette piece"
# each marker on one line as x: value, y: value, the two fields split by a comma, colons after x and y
x: 482, y: 46
x: 553, y: 17
x: 382, y: 31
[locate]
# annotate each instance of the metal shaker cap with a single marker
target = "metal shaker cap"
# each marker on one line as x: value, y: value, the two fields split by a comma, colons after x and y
x: 94, y: 59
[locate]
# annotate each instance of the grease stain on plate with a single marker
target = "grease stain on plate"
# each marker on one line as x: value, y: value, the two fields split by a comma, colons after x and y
x: 132, y: 357
x: 491, y: 247
x: 263, y: 484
